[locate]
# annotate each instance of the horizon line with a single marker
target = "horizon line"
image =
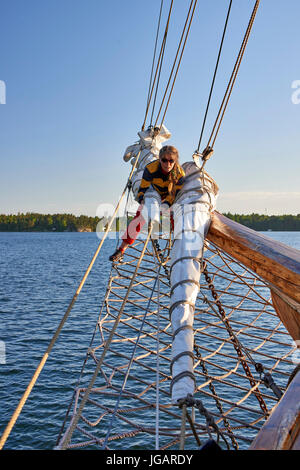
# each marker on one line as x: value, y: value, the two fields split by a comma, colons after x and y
x: 96, y: 216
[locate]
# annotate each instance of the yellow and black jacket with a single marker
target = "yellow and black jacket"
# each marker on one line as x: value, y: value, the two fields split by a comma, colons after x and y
x: 154, y: 175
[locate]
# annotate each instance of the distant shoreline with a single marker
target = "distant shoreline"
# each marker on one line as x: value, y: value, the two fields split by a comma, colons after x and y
x: 34, y: 222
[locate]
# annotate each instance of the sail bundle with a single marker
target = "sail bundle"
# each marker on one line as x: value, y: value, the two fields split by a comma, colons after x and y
x: 145, y: 151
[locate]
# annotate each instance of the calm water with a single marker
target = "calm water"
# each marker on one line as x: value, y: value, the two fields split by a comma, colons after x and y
x: 39, y: 274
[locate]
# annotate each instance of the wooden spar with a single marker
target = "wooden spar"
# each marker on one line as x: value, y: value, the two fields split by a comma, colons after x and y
x: 273, y: 261
x: 288, y: 311
x: 270, y: 259
x: 282, y: 429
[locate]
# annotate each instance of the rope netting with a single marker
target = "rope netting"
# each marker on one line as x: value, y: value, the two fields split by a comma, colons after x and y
x: 235, y: 329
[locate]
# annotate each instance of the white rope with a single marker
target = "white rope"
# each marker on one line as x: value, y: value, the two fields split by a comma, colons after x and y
x: 158, y: 266
x: 130, y: 363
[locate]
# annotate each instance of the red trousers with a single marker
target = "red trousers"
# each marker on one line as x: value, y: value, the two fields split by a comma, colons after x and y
x: 135, y: 226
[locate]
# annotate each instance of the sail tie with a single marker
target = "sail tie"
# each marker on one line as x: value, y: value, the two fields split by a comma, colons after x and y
x: 189, y: 400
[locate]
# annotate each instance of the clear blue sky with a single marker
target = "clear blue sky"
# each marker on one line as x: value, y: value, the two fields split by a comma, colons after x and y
x: 77, y: 74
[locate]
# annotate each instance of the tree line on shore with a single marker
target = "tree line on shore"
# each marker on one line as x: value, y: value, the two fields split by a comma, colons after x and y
x: 34, y: 222
x: 263, y: 223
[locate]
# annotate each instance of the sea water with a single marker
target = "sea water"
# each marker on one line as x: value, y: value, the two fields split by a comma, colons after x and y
x: 39, y: 274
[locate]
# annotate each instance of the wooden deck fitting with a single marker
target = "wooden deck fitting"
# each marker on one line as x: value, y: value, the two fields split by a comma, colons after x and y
x: 273, y: 261
x: 282, y: 429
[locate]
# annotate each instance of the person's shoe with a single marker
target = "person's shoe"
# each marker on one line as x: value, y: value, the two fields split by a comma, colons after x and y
x: 117, y: 256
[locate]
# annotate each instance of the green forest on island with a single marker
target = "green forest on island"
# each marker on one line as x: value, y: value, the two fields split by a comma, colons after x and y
x: 34, y: 222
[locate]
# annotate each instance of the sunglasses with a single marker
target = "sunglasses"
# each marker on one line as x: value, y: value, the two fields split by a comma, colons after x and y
x: 165, y: 160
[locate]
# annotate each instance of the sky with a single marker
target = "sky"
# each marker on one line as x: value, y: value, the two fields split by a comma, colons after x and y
x: 74, y: 79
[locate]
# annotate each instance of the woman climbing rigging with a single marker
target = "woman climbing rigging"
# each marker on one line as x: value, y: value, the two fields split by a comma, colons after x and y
x: 166, y: 177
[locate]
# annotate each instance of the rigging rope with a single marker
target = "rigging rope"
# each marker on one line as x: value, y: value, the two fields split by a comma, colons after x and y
x: 227, y: 95
x: 158, y: 267
x: 130, y: 362
x: 158, y: 80
x: 172, y: 70
x: 216, y: 398
x: 214, y: 76
x: 41, y: 365
x: 215, y: 128
x: 158, y: 66
x: 111, y: 389
x: 210, y: 422
x: 85, y: 361
x: 181, y: 46
x: 154, y: 52
x: 233, y: 338
x: 107, y: 344
x: 266, y: 378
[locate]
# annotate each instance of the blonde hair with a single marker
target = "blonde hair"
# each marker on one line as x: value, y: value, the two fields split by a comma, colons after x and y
x: 175, y: 173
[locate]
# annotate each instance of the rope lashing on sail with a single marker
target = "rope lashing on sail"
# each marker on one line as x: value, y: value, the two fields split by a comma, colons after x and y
x: 191, y: 210
x: 203, y: 188
x: 182, y: 258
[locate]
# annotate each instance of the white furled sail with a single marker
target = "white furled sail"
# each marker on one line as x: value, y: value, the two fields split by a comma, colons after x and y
x: 192, y: 212
x: 147, y: 150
